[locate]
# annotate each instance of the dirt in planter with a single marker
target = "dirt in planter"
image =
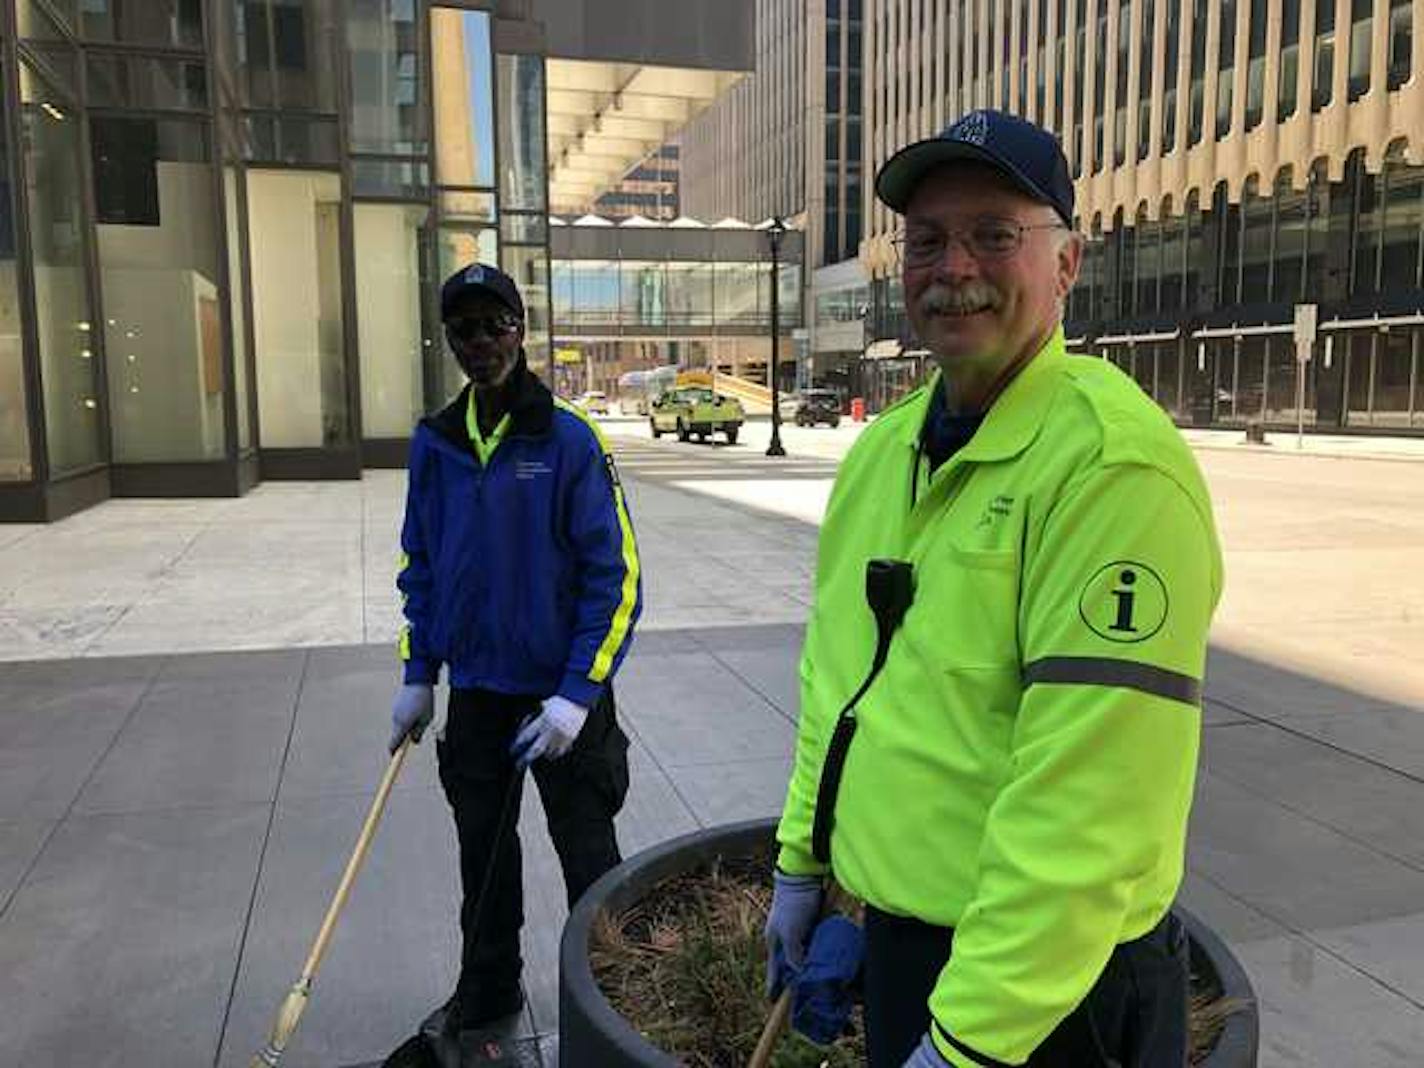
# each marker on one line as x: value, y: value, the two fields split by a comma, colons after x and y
x: 686, y: 967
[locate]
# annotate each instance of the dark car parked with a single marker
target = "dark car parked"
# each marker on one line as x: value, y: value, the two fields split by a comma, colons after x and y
x: 818, y: 406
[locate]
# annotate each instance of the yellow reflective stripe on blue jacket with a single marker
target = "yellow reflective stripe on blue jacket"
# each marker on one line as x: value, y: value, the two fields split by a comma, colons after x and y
x: 621, y: 624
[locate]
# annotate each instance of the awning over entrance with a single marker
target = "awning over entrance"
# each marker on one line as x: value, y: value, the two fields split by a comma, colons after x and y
x: 605, y: 118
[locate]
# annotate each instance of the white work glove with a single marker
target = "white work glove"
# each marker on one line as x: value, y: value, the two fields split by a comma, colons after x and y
x: 926, y: 1055
x: 411, y: 712
x: 550, y: 734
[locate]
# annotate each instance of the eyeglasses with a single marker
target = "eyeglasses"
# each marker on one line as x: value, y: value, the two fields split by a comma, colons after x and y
x: 984, y: 239
x: 467, y: 328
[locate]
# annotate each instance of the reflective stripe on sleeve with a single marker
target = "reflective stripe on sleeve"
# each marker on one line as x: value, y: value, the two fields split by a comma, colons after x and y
x: 1106, y: 671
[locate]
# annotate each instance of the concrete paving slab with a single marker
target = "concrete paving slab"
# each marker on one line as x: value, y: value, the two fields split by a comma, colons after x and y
x: 690, y: 710
x: 197, y: 742
x: 1392, y: 951
x: 20, y: 844
x: 119, y: 949
x: 260, y: 622
x: 52, y: 737
x: 342, y: 729
x: 1390, y: 734
x: 395, y: 952
x: 1294, y: 869
x: 1230, y: 917
x: 740, y: 790
x: 771, y: 672
x: 57, y: 632
x: 1319, y: 1012
x: 1368, y: 803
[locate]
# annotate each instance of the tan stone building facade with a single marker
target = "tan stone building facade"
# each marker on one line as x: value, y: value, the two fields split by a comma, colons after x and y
x: 1232, y: 160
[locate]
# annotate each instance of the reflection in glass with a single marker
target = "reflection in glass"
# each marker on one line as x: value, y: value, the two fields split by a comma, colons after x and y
x: 463, y: 97
x: 147, y: 82
x: 467, y: 207
x: 285, y: 53
x: 292, y: 139
x: 521, y: 132
x: 386, y: 112
x: 389, y: 178
x: 689, y: 294
x: 237, y: 283
x: 158, y: 257
x: 644, y: 294
x: 388, y: 314
x: 1290, y: 60
x: 529, y: 267
x: 1402, y: 220
x: 1396, y: 376
x: 524, y: 229
x: 1361, y: 30
x: 159, y: 22
x: 1324, y: 85
x: 57, y: 237
x: 15, y: 463
x: 294, y: 222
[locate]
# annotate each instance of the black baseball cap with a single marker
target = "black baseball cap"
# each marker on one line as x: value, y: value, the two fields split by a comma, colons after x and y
x: 1027, y: 155
x: 480, y: 277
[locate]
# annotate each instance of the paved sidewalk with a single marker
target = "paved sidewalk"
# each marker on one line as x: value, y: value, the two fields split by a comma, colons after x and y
x: 173, y: 822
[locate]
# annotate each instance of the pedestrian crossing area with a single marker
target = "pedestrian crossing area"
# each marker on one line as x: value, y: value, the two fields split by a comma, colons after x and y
x: 667, y: 462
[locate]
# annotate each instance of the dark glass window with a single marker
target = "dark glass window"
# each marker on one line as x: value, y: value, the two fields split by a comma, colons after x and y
x: 1169, y: 77
x: 1256, y: 64
x: 1365, y: 276
x: 1120, y: 102
x: 160, y: 22
x: 1361, y: 28
x: 1149, y: 264
x: 1401, y: 41
x: 1144, y: 81
x: 291, y: 139
x: 1191, y: 272
x: 1289, y: 257
x: 1197, y: 106
x: 1318, y: 205
x: 1322, y: 88
x: 1290, y: 60
x: 1173, y: 253
x: 833, y: 91
x: 1100, y: 81
x: 1226, y: 65
x: 1226, y: 217
x: 285, y: 54
x: 1255, y: 244
x: 1403, y: 217
x: 126, y: 81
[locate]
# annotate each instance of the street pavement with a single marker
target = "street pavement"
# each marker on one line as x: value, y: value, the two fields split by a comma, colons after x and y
x: 193, y: 710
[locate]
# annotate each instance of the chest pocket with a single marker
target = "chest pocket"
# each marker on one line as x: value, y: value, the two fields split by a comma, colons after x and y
x: 965, y: 616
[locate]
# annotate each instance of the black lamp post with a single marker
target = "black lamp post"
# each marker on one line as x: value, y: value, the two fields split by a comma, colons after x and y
x: 775, y: 231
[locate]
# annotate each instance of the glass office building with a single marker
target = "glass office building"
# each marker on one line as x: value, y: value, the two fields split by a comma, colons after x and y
x: 224, y: 224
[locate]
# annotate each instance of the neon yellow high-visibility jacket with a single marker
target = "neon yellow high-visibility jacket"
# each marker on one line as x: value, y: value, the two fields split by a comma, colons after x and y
x: 1023, y: 765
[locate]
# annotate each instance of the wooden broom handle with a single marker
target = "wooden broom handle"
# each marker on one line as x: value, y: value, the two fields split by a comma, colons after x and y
x: 353, y: 865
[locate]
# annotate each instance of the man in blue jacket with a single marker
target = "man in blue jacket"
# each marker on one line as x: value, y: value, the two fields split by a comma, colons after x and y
x: 520, y: 574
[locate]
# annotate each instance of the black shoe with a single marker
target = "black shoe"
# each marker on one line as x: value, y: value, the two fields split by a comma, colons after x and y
x: 488, y: 1012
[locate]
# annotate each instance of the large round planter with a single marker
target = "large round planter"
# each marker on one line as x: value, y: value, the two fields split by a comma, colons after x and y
x: 593, y: 1035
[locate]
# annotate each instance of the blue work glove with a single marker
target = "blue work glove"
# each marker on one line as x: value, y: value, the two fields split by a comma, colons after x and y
x: 795, y: 908
x: 824, y: 991
x: 927, y: 1056
x: 411, y: 712
x: 550, y: 734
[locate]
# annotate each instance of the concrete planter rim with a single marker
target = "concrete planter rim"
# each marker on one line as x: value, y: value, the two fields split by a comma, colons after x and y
x: 585, y: 1013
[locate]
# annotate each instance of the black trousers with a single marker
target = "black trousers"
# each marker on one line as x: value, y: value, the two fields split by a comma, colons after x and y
x: 1134, y: 1017
x: 581, y: 791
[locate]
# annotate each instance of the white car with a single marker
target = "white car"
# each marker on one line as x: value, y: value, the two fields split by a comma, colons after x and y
x: 595, y: 402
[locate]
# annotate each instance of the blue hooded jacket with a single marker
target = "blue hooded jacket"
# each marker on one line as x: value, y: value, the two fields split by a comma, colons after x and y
x: 521, y: 573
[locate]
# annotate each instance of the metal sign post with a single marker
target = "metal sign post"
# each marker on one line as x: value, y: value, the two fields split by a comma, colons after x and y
x: 1305, y: 325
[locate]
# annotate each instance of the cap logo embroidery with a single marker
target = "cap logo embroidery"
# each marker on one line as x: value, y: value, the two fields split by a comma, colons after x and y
x: 475, y: 275
x: 972, y: 129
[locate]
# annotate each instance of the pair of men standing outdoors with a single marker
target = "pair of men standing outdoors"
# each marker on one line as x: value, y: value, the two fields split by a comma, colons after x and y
x: 1022, y: 553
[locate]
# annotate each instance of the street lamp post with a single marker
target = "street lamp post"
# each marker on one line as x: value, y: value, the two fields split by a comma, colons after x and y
x: 774, y: 233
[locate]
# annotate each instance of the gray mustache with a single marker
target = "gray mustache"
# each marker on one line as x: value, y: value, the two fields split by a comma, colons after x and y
x: 940, y: 299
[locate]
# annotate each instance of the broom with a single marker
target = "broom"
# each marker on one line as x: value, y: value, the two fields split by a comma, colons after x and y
x: 295, y: 1003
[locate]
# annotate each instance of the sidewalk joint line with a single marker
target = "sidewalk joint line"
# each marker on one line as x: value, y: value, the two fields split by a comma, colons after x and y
x: 261, y: 862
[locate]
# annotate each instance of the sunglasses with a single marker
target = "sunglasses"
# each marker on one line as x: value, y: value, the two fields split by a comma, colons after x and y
x: 467, y: 328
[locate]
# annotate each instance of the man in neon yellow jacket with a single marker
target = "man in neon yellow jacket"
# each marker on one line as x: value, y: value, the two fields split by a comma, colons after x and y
x: 1008, y: 791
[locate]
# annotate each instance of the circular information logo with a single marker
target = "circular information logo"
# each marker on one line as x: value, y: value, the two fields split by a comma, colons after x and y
x: 1124, y: 602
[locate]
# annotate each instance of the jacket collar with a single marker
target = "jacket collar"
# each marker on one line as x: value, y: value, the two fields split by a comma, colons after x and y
x: 530, y: 404
x: 1015, y: 417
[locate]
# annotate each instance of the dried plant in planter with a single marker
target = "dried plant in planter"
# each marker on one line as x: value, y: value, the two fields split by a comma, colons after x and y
x: 686, y: 967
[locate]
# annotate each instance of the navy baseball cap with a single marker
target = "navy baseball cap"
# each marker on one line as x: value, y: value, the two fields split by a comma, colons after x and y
x: 1027, y: 155
x: 482, y: 278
